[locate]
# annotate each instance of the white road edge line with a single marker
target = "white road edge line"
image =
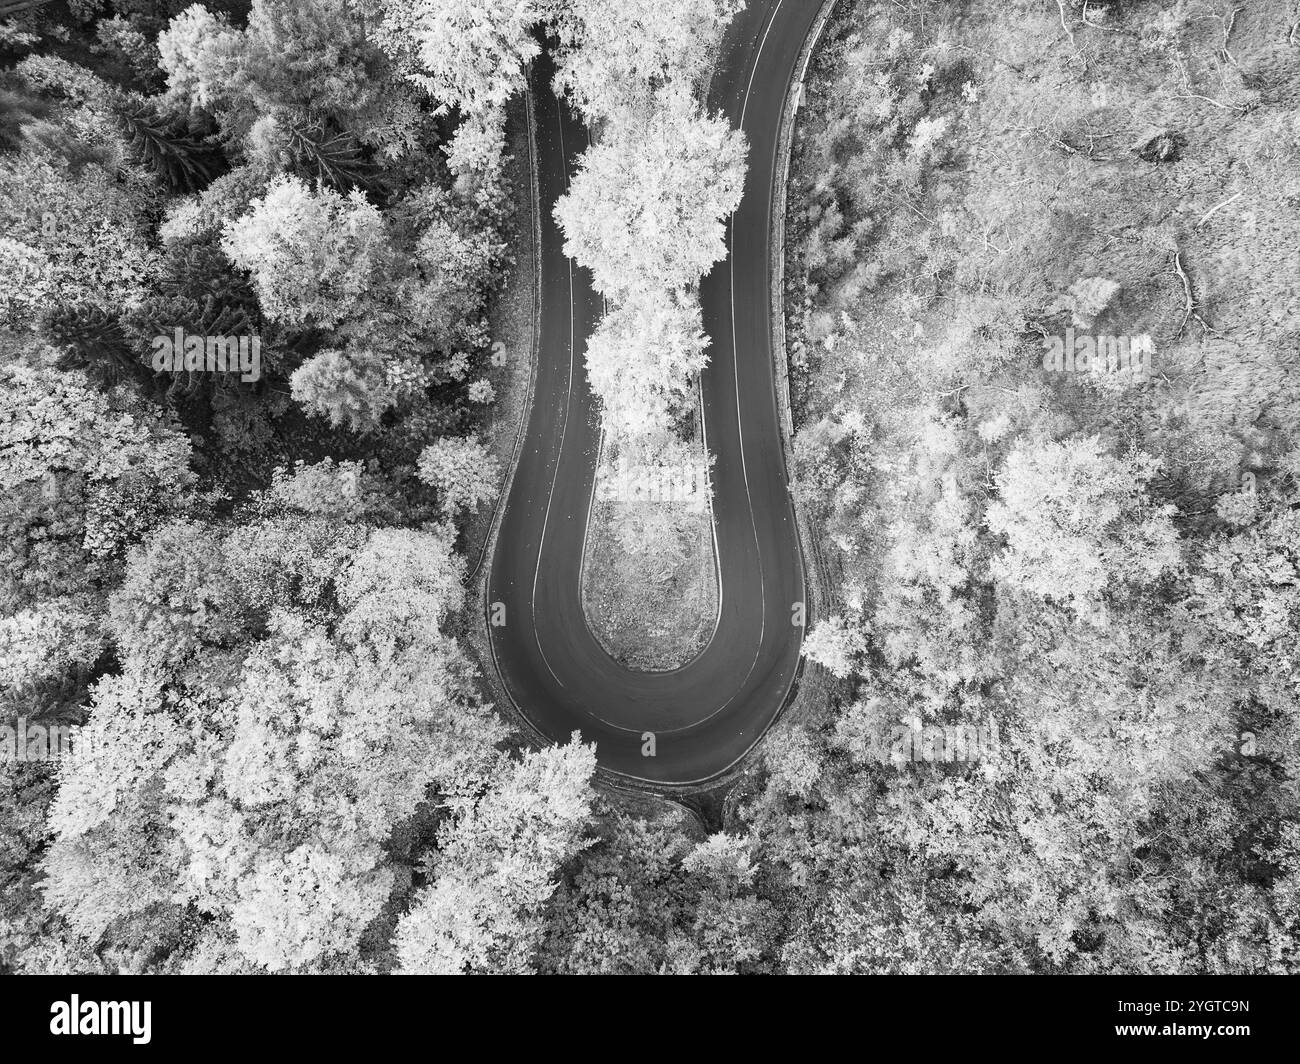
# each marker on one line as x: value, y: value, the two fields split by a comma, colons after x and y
x: 564, y: 426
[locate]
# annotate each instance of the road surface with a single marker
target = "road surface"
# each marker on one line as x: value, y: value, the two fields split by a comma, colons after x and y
x: 706, y: 716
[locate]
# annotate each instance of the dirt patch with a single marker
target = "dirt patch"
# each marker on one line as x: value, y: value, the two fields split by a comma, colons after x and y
x: 650, y: 587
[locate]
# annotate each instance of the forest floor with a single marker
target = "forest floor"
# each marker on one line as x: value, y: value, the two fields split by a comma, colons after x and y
x: 971, y: 183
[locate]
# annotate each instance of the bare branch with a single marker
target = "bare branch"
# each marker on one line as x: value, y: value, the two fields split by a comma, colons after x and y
x: 1225, y: 106
x: 1229, y: 21
x: 1189, y: 311
x: 1060, y: 6
x: 1206, y: 216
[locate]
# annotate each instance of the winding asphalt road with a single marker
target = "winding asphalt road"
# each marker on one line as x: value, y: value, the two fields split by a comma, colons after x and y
x: 707, y: 715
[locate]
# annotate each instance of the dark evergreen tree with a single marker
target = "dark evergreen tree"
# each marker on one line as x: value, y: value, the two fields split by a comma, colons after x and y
x: 91, y: 339
x: 334, y: 158
x: 183, y: 159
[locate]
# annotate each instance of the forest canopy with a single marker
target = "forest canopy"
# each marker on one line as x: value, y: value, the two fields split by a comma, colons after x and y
x: 1040, y: 294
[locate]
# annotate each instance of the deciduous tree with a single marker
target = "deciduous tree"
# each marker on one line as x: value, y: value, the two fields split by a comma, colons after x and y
x: 647, y: 210
x: 496, y: 865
